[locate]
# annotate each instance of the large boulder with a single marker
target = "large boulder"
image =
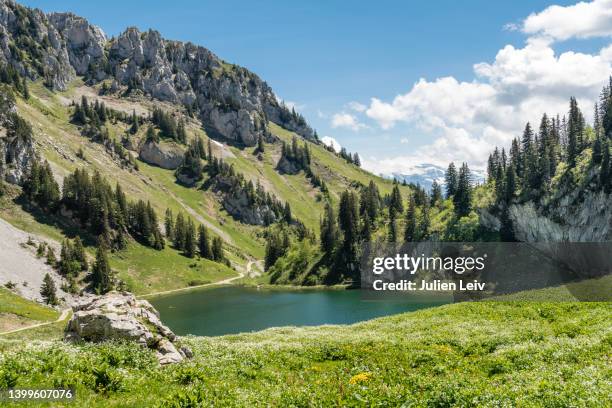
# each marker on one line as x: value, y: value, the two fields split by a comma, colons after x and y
x: 120, y: 316
x: 165, y: 155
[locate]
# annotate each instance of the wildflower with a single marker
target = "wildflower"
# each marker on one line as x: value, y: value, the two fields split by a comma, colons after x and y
x: 359, y: 378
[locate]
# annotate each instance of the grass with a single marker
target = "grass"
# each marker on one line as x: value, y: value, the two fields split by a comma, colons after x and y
x: 16, y: 305
x: 471, y: 354
x: 147, y: 270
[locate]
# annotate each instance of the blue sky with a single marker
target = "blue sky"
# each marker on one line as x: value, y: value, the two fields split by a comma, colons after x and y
x: 324, y: 56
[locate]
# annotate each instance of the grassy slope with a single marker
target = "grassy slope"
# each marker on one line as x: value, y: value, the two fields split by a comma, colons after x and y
x: 485, y: 354
x: 16, y: 311
x: 58, y: 141
x: 15, y: 304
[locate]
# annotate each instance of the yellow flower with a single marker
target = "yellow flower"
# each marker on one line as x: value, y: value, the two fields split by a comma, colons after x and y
x: 359, y: 378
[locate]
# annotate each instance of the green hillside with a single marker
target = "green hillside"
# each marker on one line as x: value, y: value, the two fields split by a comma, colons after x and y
x: 16, y: 311
x: 61, y: 143
x: 485, y: 354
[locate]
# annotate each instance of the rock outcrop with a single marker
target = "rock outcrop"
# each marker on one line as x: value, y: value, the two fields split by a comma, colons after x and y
x: 164, y: 155
x: 238, y: 204
x: 575, y: 214
x: 16, y: 147
x: 120, y: 316
x: 233, y: 103
x: 84, y: 43
x: 32, y: 45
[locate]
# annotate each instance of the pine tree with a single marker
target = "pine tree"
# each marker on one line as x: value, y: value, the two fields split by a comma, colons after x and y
x: 260, y: 145
x: 51, y: 259
x: 392, y: 233
x: 135, y: 124
x: 181, y: 133
x: 217, y: 249
x: 510, y: 184
x: 451, y: 180
x: 575, y: 133
x: 348, y: 220
x: 79, y: 253
x: 169, y: 224
x: 48, y: 291
x: 190, y: 239
x: 179, y: 232
x: 410, y: 222
x: 152, y: 135
x: 436, y: 193
x: 366, y: 228
x: 395, y: 204
x: 287, y: 213
x: 26, y: 90
x: 462, y: 197
x: 274, y: 249
x: 329, y: 230
x: 204, y: 243
x: 424, y: 223
x: 101, y: 272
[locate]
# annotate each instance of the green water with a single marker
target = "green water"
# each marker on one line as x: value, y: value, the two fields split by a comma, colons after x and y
x: 234, y: 309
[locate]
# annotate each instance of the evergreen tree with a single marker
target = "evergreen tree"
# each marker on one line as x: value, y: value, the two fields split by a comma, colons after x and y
x: 135, y: 124
x: 395, y: 204
x: 51, y: 259
x: 179, y: 232
x: 48, y: 291
x: 451, y: 180
x: 204, y: 243
x: 181, y: 132
x: 575, y: 133
x: 410, y: 223
x: 190, y: 239
x: 101, y: 272
x: 348, y: 220
x: 274, y: 249
x: 25, y: 89
x: 392, y: 233
x: 217, y: 249
x: 510, y: 184
x: 424, y: 223
x: 169, y: 224
x: 329, y: 230
x: 462, y: 197
x: 366, y: 228
x: 287, y: 213
x: 79, y: 253
x: 152, y: 135
x: 436, y: 193
x: 260, y: 145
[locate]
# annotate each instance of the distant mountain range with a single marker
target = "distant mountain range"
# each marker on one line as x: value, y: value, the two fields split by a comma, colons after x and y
x: 424, y: 175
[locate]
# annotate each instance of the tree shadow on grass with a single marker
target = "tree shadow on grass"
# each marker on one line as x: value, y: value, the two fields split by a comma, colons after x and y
x: 67, y: 227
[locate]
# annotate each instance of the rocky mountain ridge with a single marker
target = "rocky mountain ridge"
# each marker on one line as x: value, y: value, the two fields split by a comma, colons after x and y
x: 233, y: 103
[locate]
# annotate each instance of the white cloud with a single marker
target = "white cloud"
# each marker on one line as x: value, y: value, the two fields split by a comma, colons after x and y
x: 581, y: 20
x: 357, y: 107
x: 346, y: 120
x: 330, y: 141
x: 404, y: 140
x: 467, y: 119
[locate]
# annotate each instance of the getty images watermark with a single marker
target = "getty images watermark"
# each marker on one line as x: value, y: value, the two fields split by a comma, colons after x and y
x: 457, y: 271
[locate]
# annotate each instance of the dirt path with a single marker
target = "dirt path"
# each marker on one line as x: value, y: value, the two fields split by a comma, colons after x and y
x: 221, y: 282
x: 61, y: 318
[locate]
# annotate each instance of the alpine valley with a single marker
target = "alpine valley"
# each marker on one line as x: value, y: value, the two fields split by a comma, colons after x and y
x: 135, y: 166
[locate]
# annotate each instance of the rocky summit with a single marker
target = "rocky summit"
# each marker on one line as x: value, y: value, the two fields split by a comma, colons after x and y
x: 234, y: 103
x: 120, y: 316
